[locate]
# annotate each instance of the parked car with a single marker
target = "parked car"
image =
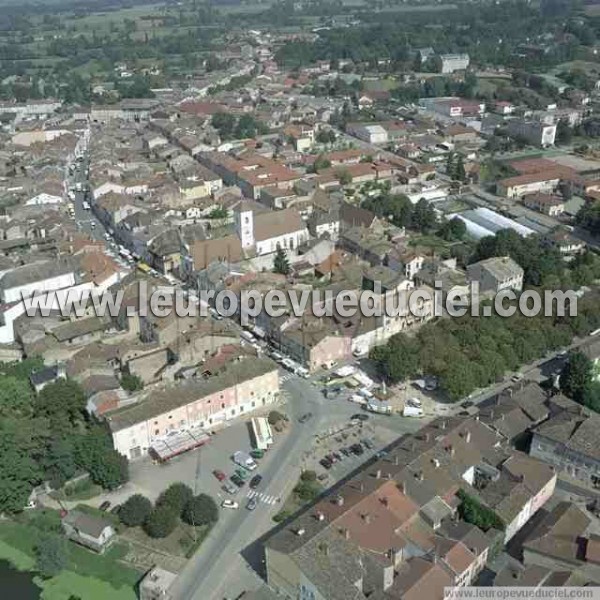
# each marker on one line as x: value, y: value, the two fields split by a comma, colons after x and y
x: 368, y: 443
x: 257, y: 453
x: 325, y: 463
x: 252, y: 504
x: 359, y: 417
x: 323, y: 477
x: 115, y: 509
x: 219, y: 475
x: 337, y: 456
x: 357, y: 449
x: 242, y: 474
x: 230, y: 504
x: 345, y: 451
x: 305, y: 417
x: 238, y: 480
x: 104, y: 506
x: 230, y: 489
x: 255, y: 481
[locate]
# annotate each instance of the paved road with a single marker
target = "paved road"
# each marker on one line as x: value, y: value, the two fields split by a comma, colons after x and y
x: 203, y: 577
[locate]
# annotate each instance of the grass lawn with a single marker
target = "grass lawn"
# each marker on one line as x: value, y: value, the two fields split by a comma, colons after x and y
x: 19, y: 540
x: 68, y: 584
x: 180, y: 543
x: 18, y: 559
x: 430, y: 241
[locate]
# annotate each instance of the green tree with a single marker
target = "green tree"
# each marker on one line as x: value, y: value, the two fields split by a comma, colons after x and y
x: 326, y: 136
x: 472, y: 511
x: 281, y: 264
x: 15, y: 397
x: 308, y: 475
x: 307, y: 491
x: 94, y: 452
x: 22, y: 369
x: 225, y: 124
x: 201, y: 510
x: 63, y: 402
x: 344, y: 176
x: 453, y: 230
x: 423, y: 217
x: 131, y: 383
x: 451, y: 165
x: 564, y: 133
x: 135, y: 510
x: 320, y: 163
x: 176, y: 496
x: 274, y: 417
x: 576, y: 376
x: 460, y: 174
x: 21, y: 445
x: 51, y: 555
x: 161, y: 522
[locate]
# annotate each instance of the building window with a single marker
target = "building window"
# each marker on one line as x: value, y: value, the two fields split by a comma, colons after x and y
x: 156, y: 431
x: 223, y: 405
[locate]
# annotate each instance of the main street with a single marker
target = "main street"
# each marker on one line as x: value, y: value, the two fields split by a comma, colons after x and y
x: 208, y: 571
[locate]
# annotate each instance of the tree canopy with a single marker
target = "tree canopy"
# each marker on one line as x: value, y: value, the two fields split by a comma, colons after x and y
x: 201, y: 510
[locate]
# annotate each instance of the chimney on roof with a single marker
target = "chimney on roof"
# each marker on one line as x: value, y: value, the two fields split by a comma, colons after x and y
x: 491, y: 414
x: 367, y: 518
x: 378, y: 474
x: 320, y: 516
x: 403, y: 487
x: 340, y: 500
x: 346, y: 533
x: 300, y: 532
x: 468, y: 436
x: 384, y: 501
x: 426, y: 436
x: 436, y: 463
x: 420, y: 476
x: 443, y: 424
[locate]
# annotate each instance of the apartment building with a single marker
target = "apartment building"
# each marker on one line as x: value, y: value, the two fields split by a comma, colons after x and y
x: 536, y: 133
x: 236, y: 389
x: 496, y: 274
x: 449, y: 63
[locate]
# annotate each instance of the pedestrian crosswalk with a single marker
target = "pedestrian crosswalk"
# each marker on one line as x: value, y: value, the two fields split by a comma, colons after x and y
x: 287, y: 377
x: 262, y: 497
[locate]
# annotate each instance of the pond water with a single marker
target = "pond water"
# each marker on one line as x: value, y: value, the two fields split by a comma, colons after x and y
x: 17, y: 584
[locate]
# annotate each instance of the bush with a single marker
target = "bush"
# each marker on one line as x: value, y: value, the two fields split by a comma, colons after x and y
x: 307, y: 490
x: 131, y: 383
x: 274, y: 417
x: 51, y: 555
x: 45, y: 520
x: 308, y: 476
x: 176, y: 496
x: 201, y: 510
x: 135, y: 510
x: 472, y: 511
x: 161, y: 522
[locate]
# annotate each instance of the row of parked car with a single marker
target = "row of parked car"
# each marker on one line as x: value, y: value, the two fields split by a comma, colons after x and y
x: 238, y: 480
x: 357, y: 449
x: 289, y: 364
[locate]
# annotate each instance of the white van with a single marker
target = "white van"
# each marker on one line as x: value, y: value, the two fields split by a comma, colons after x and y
x: 303, y: 372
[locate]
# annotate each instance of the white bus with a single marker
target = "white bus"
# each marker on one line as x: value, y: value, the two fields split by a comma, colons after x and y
x: 261, y: 433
